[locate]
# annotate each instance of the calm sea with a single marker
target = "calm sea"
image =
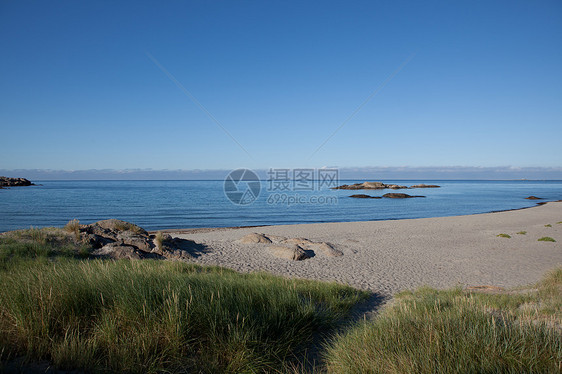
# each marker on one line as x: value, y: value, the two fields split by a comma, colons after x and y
x: 188, y: 204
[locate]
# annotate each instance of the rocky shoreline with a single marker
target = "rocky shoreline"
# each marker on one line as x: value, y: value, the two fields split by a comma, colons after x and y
x: 14, y: 182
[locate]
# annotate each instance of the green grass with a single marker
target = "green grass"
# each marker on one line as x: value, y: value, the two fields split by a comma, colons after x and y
x: 548, y: 225
x: 159, y: 316
x: 522, y: 232
x: 40, y: 243
x: 452, y: 331
x: 546, y: 239
x: 504, y: 236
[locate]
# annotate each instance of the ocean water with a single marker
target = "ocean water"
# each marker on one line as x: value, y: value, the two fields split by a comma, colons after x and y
x: 158, y: 205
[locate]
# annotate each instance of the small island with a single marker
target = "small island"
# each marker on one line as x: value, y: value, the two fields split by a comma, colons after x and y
x: 392, y: 195
x: 14, y: 182
x: 380, y: 186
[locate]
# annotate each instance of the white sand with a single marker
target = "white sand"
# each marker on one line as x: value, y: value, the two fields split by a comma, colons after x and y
x: 389, y: 256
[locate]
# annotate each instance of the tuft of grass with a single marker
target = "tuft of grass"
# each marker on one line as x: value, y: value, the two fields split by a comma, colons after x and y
x: 522, y: 232
x: 546, y: 239
x: 127, y: 226
x: 559, y: 222
x: 548, y: 225
x: 158, y: 316
x: 453, y: 331
x: 503, y: 236
x: 159, y: 239
x: 73, y: 227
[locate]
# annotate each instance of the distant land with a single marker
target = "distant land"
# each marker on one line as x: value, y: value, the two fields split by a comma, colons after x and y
x: 362, y: 173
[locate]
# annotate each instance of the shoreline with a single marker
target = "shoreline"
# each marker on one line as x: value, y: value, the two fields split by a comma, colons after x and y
x: 389, y: 256
x: 195, y: 230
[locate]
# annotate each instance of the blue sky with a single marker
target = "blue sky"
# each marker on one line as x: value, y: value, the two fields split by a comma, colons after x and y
x: 482, y: 86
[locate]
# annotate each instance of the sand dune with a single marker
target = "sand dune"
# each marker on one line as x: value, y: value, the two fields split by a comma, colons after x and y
x: 389, y: 256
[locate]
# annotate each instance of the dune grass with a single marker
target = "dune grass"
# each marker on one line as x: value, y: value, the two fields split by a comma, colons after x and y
x: 452, y: 331
x: 159, y: 316
x: 154, y: 316
x: 159, y: 239
x: 40, y: 243
x: 504, y: 236
x: 546, y: 239
x: 522, y: 233
x: 73, y: 227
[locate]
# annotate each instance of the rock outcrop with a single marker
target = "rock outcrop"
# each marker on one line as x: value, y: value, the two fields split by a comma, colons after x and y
x: 255, y: 238
x: 380, y: 186
x: 425, y: 186
x: 533, y: 198
x: 294, y: 252
x: 14, y: 182
x: 398, y: 196
x: 116, y: 239
x: 369, y: 186
x: 363, y: 196
x: 296, y: 249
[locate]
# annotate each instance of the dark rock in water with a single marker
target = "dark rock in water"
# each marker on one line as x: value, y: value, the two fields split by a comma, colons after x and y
x: 533, y: 198
x: 395, y: 195
x: 363, y: 196
x: 425, y: 186
x: 14, y: 182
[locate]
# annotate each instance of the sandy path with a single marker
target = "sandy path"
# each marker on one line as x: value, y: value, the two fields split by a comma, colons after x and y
x: 389, y: 256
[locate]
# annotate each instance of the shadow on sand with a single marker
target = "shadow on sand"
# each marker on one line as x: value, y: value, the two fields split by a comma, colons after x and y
x: 192, y: 248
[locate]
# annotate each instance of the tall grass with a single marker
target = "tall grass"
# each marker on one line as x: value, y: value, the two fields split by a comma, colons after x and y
x: 430, y: 331
x: 39, y: 243
x: 154, y: 316
x: 159, y: 239
x: 73, y: 227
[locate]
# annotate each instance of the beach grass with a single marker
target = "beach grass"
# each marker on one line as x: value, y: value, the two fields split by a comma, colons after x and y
x: 127, y: 226
x: 522, y: 233
x: 548, y: 225
x: 504, y: 236
x: 73, y: 227
x: 159, y: 240
x: 546, y: 239
x: 40, y: 243
x: 160, y: 316
x: 455, y: 331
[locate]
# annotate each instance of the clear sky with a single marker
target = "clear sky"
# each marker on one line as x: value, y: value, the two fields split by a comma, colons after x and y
x: 472, y: 83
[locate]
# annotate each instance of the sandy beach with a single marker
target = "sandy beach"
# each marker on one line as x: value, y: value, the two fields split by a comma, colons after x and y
x: 389, y: 256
